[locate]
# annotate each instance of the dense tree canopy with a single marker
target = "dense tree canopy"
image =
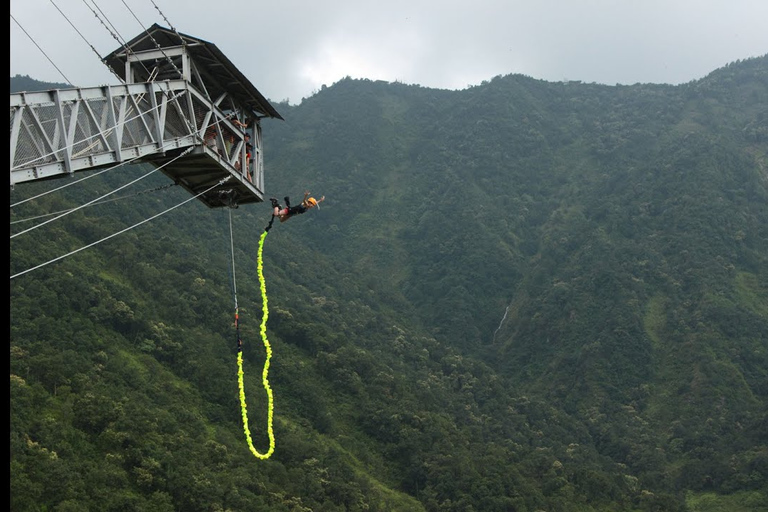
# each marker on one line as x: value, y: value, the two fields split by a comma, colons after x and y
x: 523, y: 296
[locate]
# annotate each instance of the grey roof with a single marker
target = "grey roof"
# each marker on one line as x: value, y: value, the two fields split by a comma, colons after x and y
x: 218, y: 73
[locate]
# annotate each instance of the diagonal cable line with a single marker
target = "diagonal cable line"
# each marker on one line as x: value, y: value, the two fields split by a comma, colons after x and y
x: 119, y: 232
x: 67, y: 80
x: 101, y: 197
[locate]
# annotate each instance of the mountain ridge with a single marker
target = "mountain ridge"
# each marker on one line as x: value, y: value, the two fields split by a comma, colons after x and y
x: 520, y: 296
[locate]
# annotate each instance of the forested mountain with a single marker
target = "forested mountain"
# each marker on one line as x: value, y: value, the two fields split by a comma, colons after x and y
x: 522, y: 296
x: 26, y: 83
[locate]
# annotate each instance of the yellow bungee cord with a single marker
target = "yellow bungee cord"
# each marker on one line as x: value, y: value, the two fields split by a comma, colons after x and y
x: 265, y: 371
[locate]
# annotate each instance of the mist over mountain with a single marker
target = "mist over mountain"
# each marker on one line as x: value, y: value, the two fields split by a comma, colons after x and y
x: 525, y: 295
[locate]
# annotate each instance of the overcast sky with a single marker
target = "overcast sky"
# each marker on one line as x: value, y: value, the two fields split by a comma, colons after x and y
x: 290, y: 48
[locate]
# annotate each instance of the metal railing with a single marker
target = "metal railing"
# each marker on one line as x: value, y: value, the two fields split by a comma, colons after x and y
x: 63, y: 131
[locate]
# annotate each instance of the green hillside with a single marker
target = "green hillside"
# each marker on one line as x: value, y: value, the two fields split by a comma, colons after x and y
x: 525, y: 296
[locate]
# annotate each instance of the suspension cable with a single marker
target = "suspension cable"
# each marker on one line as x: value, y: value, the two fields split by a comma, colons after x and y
x: 67, y: 80
x: 82, y: 37
x: 165, y: 18
x: 103, y: 196
x: 232, y: 252
x: 157, y: 45
x: 121, y: 231
x: 112, y: 200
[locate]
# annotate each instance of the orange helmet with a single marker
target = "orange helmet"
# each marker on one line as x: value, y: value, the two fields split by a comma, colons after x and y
x: 312, y: 201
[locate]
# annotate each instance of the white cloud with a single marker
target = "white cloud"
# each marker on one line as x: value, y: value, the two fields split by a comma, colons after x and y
x: 290, y: 49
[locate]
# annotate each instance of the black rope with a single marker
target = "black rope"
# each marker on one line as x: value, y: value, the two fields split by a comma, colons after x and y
x: 269, y: 226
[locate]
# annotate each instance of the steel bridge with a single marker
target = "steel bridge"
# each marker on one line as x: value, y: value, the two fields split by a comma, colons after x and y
x: 183, y: 107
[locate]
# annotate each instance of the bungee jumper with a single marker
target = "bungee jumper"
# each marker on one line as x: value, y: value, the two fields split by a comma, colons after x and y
x: 267, y: 348
x: 283, y: 214
x: 289, y: 211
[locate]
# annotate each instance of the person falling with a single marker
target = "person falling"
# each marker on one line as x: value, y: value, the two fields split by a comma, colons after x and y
x: 289, y: 211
